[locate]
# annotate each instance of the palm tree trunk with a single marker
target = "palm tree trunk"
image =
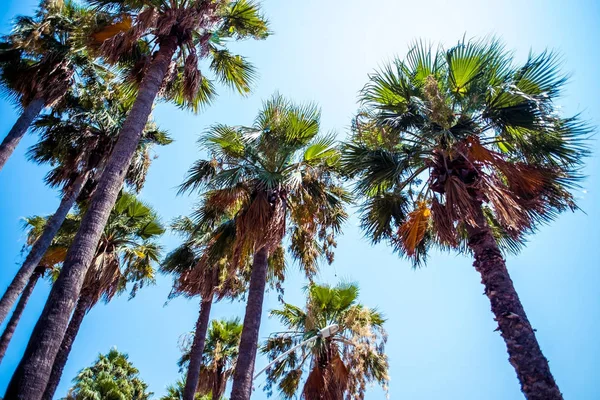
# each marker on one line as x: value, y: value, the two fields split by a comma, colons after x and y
x: 244, y: 369
x: 193, y: 372
x: 16, y: 315
x: 31, y: 376
x: 10, y: 142
x: 83, y: 305
x: 525, y: 355
x: 40, y: 246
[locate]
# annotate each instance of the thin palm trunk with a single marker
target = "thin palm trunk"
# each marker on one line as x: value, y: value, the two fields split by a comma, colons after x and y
x: 83, y: 305
x: 40, y: 246
x: 16, y: 133
x: 31, y: 376
x: 193, y: 372
x: 16, y: 315
x: 244, y: 369
x: 525, y: 355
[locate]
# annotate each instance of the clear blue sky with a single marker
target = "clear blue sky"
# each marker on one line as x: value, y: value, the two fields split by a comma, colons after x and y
x: 441, y: 340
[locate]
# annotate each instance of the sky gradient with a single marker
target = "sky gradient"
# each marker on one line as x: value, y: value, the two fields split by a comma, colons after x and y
x: 442, y: 343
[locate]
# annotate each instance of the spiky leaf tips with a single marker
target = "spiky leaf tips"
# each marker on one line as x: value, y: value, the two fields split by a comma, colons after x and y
x: 445, y: 133
x: 337, y: 367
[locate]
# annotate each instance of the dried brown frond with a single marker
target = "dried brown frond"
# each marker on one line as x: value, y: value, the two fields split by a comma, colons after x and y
x: 191, y: 76
x: 507, y: 210
x: 412, y: 231
x: 107, y: 32
x: 443, y: 224
x: 166, y: 21
x: 459, y: 202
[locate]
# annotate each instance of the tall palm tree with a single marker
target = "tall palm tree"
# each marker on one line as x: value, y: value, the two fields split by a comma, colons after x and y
x: 198, y: 29
x: 218, y: 358
x: 125, y: 255
x: 339, y: 366
x: 279, y: 172
x: 464, y: 149
x: 76, y: 140
x: 47, y: 267
x: 198, y: 272
x: 112, y: 376
x: 39, y: 59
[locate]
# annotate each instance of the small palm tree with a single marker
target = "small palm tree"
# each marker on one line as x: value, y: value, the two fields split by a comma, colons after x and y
x: 112, y: 376
x: 76, y: 140
x: 278, y: 175
x: 175, y: 392
x: 125, y: 255
x: 339, y: 366
x: 38, y: 61
x: 198, y: 29
x: 218, y: 358
x: 462, y: 149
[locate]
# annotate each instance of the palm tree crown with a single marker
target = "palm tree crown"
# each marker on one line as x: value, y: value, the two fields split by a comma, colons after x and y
x: 279, y: 174
x: 444, y: 134
x: 219, y: 356
x: 201, y: 28
x: 339, y: 366
x: 112, y: 376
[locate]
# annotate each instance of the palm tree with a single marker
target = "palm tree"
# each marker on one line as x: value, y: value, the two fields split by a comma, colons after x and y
x: 175, y: 392
x: 112, y: 376
x: 125, y: 255
x: 279, y: 172
x: 463, y: 149
x: 39, y: 59
x: 198, y: 29
x: 77, y: 140
x: 48, y: 265
x: 198, y: 272
x: 218, y: 359
x: 339, y: 366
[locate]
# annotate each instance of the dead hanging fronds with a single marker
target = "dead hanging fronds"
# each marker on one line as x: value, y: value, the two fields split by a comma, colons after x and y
x: 261, y: 225
x: 480, y: 153
x: 412, y: 231
x: 508, y: 212
x: 119, y: 44
x: 107, y: 32
x: 192, y: 78
x: 166, y: 22
x: 459, y: 202
x: 443, y: 224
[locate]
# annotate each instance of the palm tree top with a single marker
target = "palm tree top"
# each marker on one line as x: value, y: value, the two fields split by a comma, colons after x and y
x: 202, y: 30
x: 339, y: 366
x: 444, y: 132
x: 278, y: 175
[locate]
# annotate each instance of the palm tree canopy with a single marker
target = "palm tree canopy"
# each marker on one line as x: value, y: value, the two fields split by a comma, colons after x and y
x: 202, y: 29
x: 79, y: 135
x: 445, y: 133
x: 42, y: 54
x: 219, y: 356
x: 112, y: 377
x: 175, y: 392
x: 339, y: 366
x: 279, y: 174
x: 126, y: 253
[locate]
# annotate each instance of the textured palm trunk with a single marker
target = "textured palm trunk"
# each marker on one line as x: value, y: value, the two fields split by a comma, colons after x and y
x: 525, y: 355
x: 16, y: 133
x: 31, y: 376
x: 16, y: 315
x: 40, y: 246
x: 193, y: 372
x: 244, y: 369
x: 83, y: 305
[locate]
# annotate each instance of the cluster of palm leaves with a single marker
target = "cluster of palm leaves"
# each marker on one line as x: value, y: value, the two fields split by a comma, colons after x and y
x: 460, y: 149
